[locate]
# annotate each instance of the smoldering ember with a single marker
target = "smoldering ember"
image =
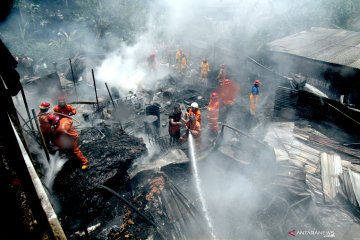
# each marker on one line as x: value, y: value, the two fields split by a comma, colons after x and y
x: 209, y: 119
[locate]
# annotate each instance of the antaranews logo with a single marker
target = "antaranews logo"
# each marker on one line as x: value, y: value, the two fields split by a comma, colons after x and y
x: 292, y: 233
x: 324, y: 234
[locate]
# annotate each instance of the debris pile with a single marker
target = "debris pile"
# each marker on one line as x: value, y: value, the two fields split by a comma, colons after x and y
x: 110, y: 155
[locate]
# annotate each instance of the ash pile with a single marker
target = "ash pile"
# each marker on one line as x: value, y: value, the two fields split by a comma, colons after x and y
x: 110, y: 152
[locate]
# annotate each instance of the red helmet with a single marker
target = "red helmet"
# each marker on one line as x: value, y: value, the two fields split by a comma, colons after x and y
x: 226, y: 81
x: 214, y: 95
x: 257, y: 81
x: 53, y: 119
x: 44, y: 105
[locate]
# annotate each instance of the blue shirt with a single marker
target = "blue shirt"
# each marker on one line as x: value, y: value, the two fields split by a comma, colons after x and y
x: 255, y: 90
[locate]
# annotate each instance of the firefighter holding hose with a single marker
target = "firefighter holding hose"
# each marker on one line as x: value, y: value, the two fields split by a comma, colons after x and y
x: 193, y: 127
x: 194, y: 108
x: 65, y: 137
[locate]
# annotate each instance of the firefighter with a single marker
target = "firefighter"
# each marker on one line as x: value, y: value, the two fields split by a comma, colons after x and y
x: 194, y: 108
x: 44, y: 124
x: 64, y: 108
x: 213, y: 113
x: 175, y: 123
x: 204, y: 70
x: 228, y: 93
x: 178, y: 57
x: 65, y: 137
x: 183, y: 65
x: 254, y: 97
x: 222, y: 74
x: 193, y: 127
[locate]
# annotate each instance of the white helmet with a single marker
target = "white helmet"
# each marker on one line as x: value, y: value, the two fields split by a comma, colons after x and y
x: 194, y: 105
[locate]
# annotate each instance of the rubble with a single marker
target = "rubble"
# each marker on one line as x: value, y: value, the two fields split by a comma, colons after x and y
x: 110, y: 156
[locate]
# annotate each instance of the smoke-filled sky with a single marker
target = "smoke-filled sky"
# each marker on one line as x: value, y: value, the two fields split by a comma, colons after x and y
x: 201, y: 27
x: 133, y: 29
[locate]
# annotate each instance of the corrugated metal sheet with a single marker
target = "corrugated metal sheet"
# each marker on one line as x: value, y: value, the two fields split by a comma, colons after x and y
x: 328, y: 45
x: 330, y: 170
x: 337, y: 175
x: 355, y: 181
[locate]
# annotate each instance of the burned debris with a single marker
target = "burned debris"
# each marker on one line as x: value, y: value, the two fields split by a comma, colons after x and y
x: 192, y: 138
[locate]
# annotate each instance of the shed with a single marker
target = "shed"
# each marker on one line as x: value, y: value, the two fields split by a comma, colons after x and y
x: 328, y: 58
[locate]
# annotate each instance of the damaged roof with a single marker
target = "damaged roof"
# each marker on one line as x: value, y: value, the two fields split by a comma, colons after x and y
x: 335, y: 46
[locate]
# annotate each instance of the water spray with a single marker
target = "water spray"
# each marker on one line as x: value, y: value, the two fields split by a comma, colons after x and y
x: 198, y: 185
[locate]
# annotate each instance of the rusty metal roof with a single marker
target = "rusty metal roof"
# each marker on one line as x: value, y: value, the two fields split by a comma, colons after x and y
x: 336, y: 46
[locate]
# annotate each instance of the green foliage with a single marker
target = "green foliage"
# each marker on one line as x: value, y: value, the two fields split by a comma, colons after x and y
x: 59, y: 29
x: 55, y: 29
x: 344, y: 13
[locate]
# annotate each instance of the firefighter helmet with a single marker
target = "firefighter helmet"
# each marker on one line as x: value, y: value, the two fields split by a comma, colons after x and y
x: 44, y: 105
x: 194, y: 105
x: 214, y: 95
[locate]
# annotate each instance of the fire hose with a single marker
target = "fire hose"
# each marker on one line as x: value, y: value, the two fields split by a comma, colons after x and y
x: 26, y: 122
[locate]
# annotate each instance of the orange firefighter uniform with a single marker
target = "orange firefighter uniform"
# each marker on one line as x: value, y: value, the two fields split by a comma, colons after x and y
x: 195, y: 128
x: 228, y: 92
x: 178, y: 57
x: 204, y: 69
x: 194, y: 109
x: 66, y: 110
x: 45, y: 127
x: 183, y: 63
x: 65, y: 137
x: 213, y: 113
x: 197, y: 114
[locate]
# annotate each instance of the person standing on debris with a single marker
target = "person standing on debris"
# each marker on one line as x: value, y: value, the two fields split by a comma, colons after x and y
x: 213, y: 113
x: 222, y: 74
x: 175, y: 123
x: 64, y: 108
x: 45, y: 127
x: 204, y: 70
x: 65, y: 137
x: 152, y: 62
x: 228, y: 93
x: 178, y: 57
x: 194, y: 108
x: 254, y: 97
x: 192, y: 126
x: 183, y: 63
